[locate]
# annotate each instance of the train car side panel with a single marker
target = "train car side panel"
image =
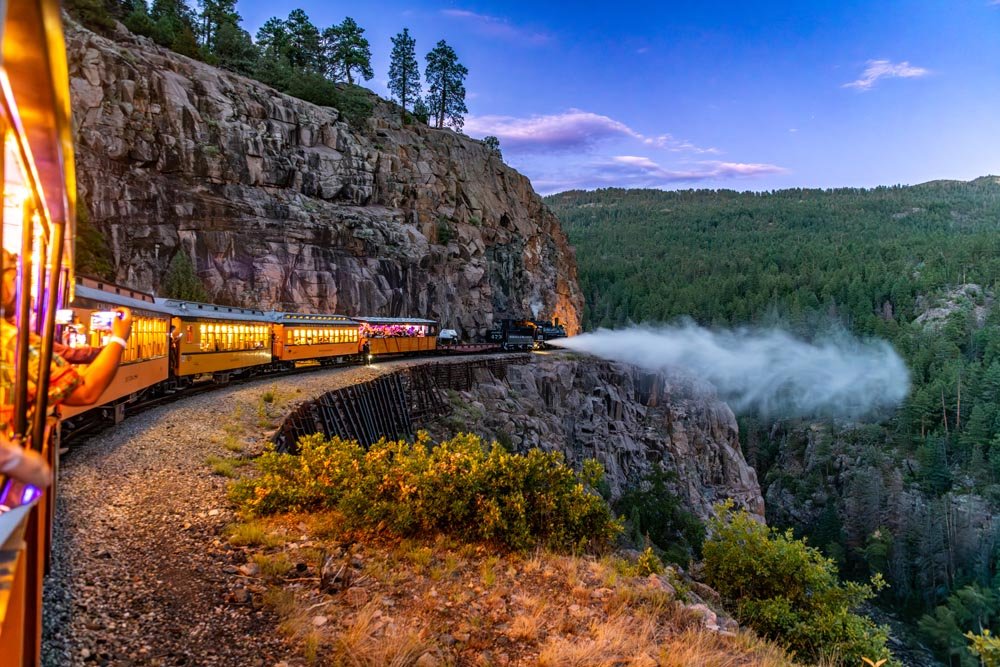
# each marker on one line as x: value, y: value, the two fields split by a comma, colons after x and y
x: 400, y: 345
x: 215, y: 362
x: 215, y: 346
x: 129, y: 379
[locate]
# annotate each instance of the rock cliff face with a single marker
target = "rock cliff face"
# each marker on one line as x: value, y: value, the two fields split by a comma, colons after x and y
x: 283, y: 204
x: 627, y: 419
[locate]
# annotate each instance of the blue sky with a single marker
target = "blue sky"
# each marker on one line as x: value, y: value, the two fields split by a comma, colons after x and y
x: 742, y: 95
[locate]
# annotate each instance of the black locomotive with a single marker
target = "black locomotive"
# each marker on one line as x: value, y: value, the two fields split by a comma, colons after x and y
x: 523, y: 334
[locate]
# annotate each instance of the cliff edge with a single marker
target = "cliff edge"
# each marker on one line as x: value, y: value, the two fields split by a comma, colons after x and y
x: 283, y: 204
x: 628, y: 419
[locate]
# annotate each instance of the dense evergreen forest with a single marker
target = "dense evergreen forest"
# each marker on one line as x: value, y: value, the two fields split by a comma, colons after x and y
x: 914, y: 496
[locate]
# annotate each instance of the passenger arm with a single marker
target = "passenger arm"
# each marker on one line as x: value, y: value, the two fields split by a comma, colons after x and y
x: 96, y: 377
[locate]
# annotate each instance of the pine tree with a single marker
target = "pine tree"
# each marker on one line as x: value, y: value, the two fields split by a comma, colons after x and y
x: 979, y: 429
x: 172, y: 19
x: 446, y: 82
x: 420, y: 111
x: 404, y: 75
x: 235, y: 50
x: 139, y: 21
x: 346, y: 49
x: 273, y: 39
x: 214, y: 14
x: 304, y: 42
x: 185, y: 42
x: 181, y: 281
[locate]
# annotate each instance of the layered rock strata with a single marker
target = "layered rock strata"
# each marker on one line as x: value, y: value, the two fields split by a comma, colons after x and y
x: 284, y: 204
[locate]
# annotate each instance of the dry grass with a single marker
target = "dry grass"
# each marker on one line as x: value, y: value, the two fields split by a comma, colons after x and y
x: 708, y: 649
x: 369, y: 642
x: 466, y: 605
x: 252, y: 534
x: 233, y: 443
x: 273, y: 566
x: 620, y: 640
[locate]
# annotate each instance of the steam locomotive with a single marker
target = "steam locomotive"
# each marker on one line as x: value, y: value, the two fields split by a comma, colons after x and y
x: 511, y: 334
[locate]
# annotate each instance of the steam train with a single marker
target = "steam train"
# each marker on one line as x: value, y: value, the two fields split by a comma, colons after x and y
x: 512, y: 334
x: 176, y: 344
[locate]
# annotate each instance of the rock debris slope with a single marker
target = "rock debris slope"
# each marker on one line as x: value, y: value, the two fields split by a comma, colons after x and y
x: 284, y: 204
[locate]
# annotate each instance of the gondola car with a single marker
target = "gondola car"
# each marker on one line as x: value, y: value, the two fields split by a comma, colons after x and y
x: 144, y: 362
x: 397, y: 335
x: 217, y: 342
x: 325, y: 338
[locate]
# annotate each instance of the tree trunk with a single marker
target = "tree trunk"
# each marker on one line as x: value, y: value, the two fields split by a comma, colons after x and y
x: 944, y: 414
x: 958, y: 410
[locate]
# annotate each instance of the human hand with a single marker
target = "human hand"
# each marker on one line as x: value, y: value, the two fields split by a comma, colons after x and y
x: 121, y: 326
x: 23, y: 464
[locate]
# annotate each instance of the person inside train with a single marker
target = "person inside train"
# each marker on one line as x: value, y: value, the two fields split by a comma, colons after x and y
x: 66, y: 384
x: 72, y: 345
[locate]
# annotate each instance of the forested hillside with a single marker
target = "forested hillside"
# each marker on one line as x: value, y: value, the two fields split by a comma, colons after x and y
x: 915, y: 496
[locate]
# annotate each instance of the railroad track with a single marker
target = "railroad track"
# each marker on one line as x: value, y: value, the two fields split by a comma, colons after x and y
x: 102, y: 417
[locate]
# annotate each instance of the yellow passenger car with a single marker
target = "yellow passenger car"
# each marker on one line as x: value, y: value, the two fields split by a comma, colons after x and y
x: 397, y: 335
x: 38, y: 200
x: 217, y: 341
x: 145, y: 360
x: 300, y: 336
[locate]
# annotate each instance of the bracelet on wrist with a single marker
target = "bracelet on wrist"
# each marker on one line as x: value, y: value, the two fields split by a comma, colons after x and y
x: 118, y: 339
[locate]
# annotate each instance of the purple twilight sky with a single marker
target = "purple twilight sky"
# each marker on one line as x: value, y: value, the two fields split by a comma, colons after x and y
x: 742, y: 95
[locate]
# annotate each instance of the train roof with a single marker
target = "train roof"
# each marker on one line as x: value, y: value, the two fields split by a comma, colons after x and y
x: 313, y: 318
x: 394, y: 320
x: 37, y: 97
x: 125, y: 298
x: 208, y: 311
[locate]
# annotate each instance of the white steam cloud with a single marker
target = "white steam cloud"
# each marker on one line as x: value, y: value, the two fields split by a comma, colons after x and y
x: 765, y: 371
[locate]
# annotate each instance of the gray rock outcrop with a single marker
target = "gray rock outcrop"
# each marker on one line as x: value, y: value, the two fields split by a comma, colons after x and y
x: 284, y: 204
x: 626, y: 418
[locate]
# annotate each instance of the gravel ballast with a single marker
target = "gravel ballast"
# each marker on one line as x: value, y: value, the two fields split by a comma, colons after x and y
x: 142, y: 573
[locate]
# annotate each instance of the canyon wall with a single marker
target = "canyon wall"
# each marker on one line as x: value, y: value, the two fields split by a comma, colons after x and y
x: 626, y: 418
x: 284, y: 204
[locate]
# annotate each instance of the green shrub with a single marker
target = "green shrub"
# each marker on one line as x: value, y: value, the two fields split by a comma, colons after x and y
x: 787, y: 591
x: 354, y: 104
x: 91, y: 13
x: 654, y: 511
x: 445, y: 232
x: 458, y: 486
x: 648, y: 563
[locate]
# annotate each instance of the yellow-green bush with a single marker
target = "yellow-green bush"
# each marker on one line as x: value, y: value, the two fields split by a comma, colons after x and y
x: 458, y: 486
x: 789, y: 592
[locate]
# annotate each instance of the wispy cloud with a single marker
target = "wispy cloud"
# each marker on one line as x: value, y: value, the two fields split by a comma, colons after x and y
x: 885, y: 69
x: 572, y: 130
x: 645, y: 168
x: 634, y: 171
x: 495, y: 26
